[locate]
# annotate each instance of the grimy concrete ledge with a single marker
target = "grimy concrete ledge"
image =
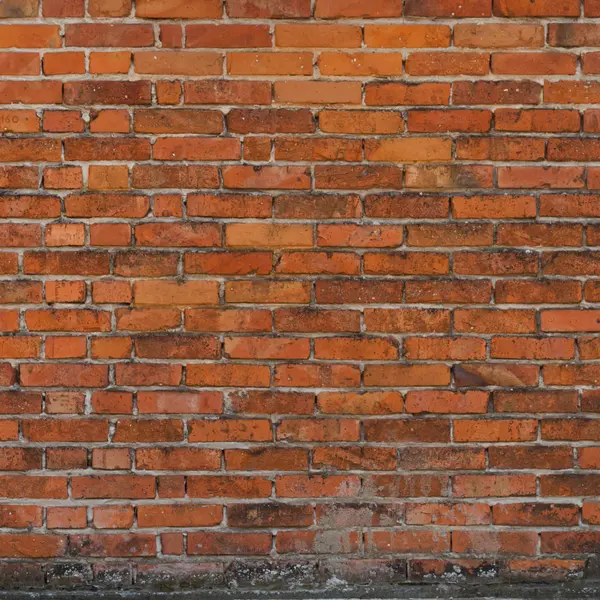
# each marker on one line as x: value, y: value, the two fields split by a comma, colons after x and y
x: 326, y: 579
x: 495, y: 591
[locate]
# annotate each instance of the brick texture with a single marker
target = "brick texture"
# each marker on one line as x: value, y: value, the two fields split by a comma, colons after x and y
x: 303, y: 289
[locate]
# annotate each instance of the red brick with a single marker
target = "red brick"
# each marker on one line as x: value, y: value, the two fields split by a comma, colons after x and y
x: 68, y: 320
x: 258, y: 402
x: 27, y: 486
x: 65, y: 291
x: 382, y: 94
x: 406, y: 206
x: 97, y: 34
x: 449, y: 235
x: 264, y: 348
x: 406, y: 263
x: 360, y: 64
x: 537, y: 120
x: 226, y: 375
x: 20, y: 121
x: 308, y: 320
x: 19, y: 8
x: 498, y: 542
x: 340, y: 9
x: 567, y: 485
x: 469, y: 486
x: 288, y: 178
x: 178, y: 63
x: 364, y: 403
x: 534, y: 63
x: 270, y: 459
x: 229, y: 92
x: 268, y: 9
x: 109, y: 8
x: 307, y: 376
x: 175, y: 459
x: 64, y: 63
x: 407, y: 36
x: 227, y: 36
x: 448, y: 8
x: 469, y: 374
x: 571, y: 92
x: 110, y: 121
x: 268, y: 235
x: 229, y: 543
x: 531, y: 457
x: 364, y: 177
x: 591, y: 8
x: 227, y: 263
x: 228, y: 487
x: 317, y: 92
x: 401, y: 430
x: 269, y: 63
x: 497, y: 92
x: 66, y: 518
x: 448, y: 63
x: 550, y: 515
x: 299, y: 35
x: 264, y: 515
x: 349, y: 458
x: 30, y: 36
x: 360, y: 121
x: 119, y: 545
x: 256, y: 292
x: 20, y: 516
x: 171, y: 9
x: 107, y: 92
x: 441, y: 458
x: 148, y: 374
x: 408, y: 541
x: 448, y: 514
x: 113, y: 486
x: 60, y: 375
x: 447, y: 402
x: 166, y: 293
x: 179, y: 402
x: 571, y: 35
x: 179, y: 516
x: 588, y: 458
x: 32, y: 546
x: 409, y: 320
x: 146, y: 264
x: 148, y: 431
x: 334, y: 430
x: 449, y: 177
x: 22, y: 63
x: 113, y: 517
x: 499, y: 35
x: 496, y: 263
x: 404, y: 150
x: 537, y: 8
x: 495, y: 430
x: 229, y: 205
x: 318, y: 263
x: 302, y: 486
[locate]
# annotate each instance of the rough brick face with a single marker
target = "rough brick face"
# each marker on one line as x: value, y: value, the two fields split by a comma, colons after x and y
x: 299, y: 291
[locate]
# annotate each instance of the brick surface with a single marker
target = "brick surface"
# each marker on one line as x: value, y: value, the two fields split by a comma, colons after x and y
x: 299, y: 290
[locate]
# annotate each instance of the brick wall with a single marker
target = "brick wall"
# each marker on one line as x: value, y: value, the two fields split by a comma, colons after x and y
x: 299, y: 289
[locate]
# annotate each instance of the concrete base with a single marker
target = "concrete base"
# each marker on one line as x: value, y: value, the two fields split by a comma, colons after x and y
x: 562, y: 591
